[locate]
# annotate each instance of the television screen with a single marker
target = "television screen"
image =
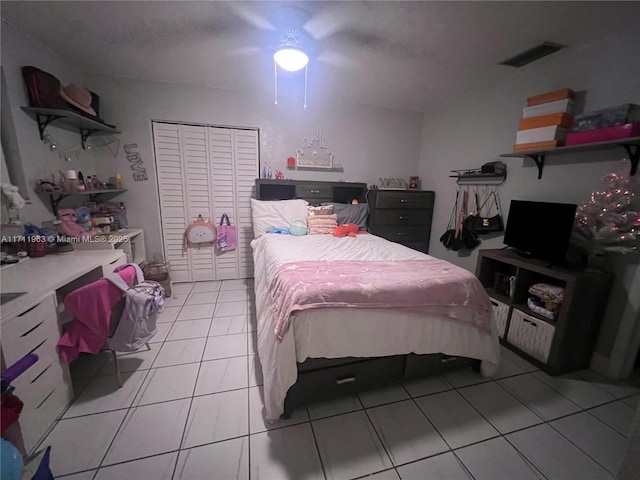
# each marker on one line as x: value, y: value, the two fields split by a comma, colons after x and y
x: 540, y: 229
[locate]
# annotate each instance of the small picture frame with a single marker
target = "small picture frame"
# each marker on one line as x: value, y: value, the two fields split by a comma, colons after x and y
x: 414, y: 183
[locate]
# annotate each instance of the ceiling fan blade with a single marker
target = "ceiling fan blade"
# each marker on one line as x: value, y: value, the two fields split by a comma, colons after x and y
x: 325, y: 23
x: 331, y: 57
x: 251, y: 17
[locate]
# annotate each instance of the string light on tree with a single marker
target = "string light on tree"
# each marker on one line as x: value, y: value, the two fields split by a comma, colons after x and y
x: 607, y: 221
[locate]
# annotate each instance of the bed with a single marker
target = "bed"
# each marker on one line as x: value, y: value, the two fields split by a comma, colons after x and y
x: 330, y: 344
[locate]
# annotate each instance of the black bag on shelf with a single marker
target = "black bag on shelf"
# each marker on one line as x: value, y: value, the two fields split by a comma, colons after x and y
x: 43, y: 88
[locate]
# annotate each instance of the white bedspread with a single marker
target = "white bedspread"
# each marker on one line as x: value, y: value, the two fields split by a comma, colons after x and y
x: 335, y: 333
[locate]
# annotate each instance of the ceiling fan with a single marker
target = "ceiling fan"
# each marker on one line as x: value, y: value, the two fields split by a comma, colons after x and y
x: 291, y: 33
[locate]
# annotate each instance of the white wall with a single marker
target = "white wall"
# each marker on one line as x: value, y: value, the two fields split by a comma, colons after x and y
x: 368, y: 142
x: 476, y: 128
x: 17, y: 51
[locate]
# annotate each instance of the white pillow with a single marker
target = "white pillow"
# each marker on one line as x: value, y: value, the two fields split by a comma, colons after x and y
x: 278, y: 213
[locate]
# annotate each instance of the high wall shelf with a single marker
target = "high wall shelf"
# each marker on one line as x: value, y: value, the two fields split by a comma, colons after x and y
x: 631, y: 145
x: 476, y: 177
x: 86, y: 126
x: 56, y: 197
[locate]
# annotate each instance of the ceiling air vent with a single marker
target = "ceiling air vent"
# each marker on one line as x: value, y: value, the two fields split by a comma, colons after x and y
x: 533, y: 54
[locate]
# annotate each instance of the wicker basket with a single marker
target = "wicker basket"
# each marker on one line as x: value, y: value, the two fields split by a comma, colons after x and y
x: 158, y: 271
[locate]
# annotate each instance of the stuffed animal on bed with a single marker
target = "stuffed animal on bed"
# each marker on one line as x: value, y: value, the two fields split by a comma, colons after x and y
x: 350, y: 229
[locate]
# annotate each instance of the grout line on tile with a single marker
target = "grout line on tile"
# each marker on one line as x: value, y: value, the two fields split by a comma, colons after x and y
x: 315, y: 441
x: 578, y: 446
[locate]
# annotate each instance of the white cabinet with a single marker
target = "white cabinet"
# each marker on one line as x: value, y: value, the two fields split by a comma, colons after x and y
x: 129, y: 240
x: 45, y: 388
x: 205, y: 171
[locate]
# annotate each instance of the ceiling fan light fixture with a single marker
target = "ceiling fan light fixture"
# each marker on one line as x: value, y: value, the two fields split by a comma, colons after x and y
x: 291, y: 59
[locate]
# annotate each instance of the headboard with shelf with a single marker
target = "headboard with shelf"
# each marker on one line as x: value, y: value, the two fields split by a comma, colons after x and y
x: 311, y: 191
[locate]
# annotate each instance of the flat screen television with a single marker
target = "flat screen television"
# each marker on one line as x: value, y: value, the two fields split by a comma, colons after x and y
x: 540, y: 229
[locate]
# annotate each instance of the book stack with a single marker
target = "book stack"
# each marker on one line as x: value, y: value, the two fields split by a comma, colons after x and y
x: 545, y: 121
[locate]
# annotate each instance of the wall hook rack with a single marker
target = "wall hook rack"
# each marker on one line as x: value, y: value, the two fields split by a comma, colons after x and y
x: 475, y: 176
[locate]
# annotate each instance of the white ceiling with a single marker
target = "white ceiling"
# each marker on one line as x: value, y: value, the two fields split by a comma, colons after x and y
x: 405, y: 55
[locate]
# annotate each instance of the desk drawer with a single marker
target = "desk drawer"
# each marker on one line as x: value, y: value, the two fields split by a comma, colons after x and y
x: 30, y: 333
x: 402, y: 234
x: 35, y: 422
x: 35, y: 391
x: 312, y: 192
x: 410, y: 200
x: 403, y: 217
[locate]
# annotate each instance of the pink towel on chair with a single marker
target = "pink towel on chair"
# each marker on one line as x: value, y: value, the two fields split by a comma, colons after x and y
x: 91, y: 307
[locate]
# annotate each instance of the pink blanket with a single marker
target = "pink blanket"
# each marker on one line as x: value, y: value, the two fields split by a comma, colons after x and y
x: 91, y: 307
x: 432, y: 287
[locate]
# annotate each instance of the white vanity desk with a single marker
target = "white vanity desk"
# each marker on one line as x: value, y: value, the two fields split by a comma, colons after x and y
x: 31, y: 323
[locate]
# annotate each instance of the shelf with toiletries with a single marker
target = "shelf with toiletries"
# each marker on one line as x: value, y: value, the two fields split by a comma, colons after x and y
x: 55, y: 197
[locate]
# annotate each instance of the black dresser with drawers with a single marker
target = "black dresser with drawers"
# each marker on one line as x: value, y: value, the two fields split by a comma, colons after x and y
x: 402, y: 216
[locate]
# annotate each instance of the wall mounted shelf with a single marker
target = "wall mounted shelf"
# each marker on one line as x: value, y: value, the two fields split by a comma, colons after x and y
x: 631, y: 145
x: 86, y: 126
x: 56, y: 197
x: 476, y: 177
x: 334, y: 168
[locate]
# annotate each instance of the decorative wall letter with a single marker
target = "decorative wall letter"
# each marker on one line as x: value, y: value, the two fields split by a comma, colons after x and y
x: 139, y: 172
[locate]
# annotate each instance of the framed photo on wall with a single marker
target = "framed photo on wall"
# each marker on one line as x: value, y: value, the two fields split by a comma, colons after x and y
x: 414, y: 183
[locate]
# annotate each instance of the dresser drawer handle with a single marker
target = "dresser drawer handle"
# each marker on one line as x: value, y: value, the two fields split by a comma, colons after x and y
x: 340, y: 381
x: 448, y: 359
x: 403, y: 218
x: 533, y: 324
x: 402, y: 200
x: 402, y: 234
x: 315, y: 191
x: 27, y: 311
x: 38, y: 346
x: 46, y: 398
x: 32, y: 329
x: 41, y: 373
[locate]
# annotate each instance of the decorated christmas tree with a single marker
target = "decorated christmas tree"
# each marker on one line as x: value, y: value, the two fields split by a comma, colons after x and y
x: 606, y: 222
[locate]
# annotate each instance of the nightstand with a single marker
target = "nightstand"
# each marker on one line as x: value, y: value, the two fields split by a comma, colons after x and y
x: 402, y: 216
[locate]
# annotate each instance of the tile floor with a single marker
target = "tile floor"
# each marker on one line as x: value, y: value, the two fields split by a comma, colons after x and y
x: 191, y: 408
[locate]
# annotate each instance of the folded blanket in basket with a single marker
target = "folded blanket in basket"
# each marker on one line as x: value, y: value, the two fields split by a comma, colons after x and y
x: 545, y: 299
x: 547, y: 292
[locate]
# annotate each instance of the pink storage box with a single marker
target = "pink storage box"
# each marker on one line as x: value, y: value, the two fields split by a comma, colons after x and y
x: 603, y: 134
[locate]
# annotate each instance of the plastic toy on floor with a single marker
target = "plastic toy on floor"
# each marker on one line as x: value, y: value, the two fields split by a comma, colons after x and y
x: 348, y: 229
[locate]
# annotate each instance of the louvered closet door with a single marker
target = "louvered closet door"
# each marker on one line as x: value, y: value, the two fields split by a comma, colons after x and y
x: 246, y: 172
x: 173, y: 198
x: 234, y: 162
x: 195, y: 150
x: 206, y: 171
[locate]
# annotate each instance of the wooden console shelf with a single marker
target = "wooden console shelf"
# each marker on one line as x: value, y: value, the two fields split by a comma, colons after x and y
x: 557, y: 346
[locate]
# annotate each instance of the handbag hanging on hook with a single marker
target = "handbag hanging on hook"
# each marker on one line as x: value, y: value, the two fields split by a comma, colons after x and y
x: 482, y: 224
x: 226, y: 238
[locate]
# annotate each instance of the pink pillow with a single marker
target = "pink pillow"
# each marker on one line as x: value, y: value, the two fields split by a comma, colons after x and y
x: 322, y: 224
